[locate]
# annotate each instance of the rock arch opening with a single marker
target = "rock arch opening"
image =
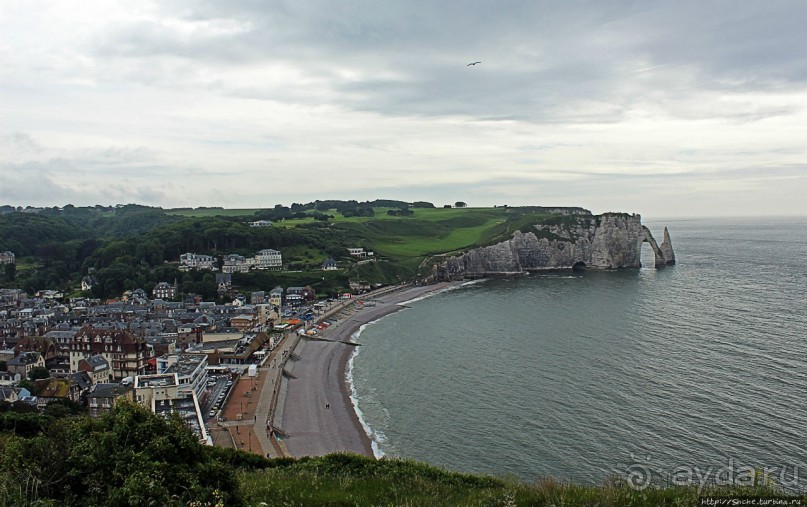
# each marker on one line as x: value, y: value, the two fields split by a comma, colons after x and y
x: 647, y: 256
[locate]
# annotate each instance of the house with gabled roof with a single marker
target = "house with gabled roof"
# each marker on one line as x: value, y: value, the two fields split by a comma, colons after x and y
x: 9, y: 394
x: 25, y: 362
x: 97, y: 367
x: 126, y: 353
x: 42, y: 344
x: 61, y: 388
x: 224, y: 283
x: 164, y: 290
x: 103, y: 397
x: 87, y: 282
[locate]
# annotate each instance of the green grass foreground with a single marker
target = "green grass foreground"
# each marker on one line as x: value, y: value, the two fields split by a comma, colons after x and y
x: 132, y: 457
x: 344, y: 479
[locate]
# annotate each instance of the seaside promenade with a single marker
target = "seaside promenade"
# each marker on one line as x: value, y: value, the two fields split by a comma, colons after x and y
x: 258, y: 430
x: 299, y: 404
x: 317, y: 411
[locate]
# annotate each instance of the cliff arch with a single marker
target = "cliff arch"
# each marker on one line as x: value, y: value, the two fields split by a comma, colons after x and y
x: 647, y: 237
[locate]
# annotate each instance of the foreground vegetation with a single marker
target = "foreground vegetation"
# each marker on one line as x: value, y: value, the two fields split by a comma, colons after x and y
x: 341, y: 479
x: 131, y: 457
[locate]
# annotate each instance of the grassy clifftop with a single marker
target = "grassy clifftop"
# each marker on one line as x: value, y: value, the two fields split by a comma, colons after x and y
x: 132, y: 457
x: 341, y: 479
x: 136, y: 247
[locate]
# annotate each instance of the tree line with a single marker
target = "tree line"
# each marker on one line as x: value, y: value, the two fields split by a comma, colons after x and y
x: 136, y: 247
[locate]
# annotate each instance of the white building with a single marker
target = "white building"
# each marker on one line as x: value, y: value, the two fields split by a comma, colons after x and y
x: 190, y: 370
x: 7, y: 257
x: 235, y: 263
x: 261, y: 223
x: 162, y: 395
x: 268, y: 259
x: 276, y: 296
x: 190, y: 261
x: 359, y: 252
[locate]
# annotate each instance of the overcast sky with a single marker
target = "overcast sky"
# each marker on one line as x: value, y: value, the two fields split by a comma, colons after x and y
x: 661, y: 108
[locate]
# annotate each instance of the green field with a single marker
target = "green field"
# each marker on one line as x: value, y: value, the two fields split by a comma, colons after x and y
x: 429, y: 231
x: 438, y: 231
x: 438, y: 236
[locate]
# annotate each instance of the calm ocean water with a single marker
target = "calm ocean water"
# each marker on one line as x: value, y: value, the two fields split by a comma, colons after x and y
x: 696, y: 369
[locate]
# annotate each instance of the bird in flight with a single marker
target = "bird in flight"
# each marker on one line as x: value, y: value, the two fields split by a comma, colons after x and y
x: 472, y: 63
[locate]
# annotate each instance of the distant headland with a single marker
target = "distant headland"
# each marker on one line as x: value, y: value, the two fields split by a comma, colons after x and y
x: 575, y: 241
x: 333, y: 246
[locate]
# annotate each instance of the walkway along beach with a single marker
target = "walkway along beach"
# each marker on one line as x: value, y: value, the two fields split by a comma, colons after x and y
x: 312, y: 405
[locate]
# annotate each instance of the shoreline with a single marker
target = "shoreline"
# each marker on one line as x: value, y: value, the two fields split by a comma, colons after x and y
x: 347, y: 398
x: 322, y: 379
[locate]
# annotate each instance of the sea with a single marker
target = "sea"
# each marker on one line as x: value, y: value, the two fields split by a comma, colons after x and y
x: 694, y: 374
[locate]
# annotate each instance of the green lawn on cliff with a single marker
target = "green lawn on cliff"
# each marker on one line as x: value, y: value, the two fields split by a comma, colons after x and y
x: 405, y: 243
x: 434, y: 231
x: 428, y: 231
x: 343, y: 479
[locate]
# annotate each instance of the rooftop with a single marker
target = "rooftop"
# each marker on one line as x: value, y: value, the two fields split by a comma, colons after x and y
x: 112, y: 390
x: 159, y: 380
x: 186, y: 364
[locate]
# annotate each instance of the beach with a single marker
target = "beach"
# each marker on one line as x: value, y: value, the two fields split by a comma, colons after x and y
x: 315, y: 410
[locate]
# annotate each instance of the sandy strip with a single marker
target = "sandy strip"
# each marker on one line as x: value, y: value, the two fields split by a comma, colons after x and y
x: 317, y: 412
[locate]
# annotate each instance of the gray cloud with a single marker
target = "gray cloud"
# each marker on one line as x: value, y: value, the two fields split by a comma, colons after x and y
x: 192, y: 97
x: 44, y: 184
x: 542, y: 61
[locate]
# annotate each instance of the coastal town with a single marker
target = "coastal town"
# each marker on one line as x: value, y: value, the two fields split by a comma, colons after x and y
x: 316, y: 254
x: 219, y: 366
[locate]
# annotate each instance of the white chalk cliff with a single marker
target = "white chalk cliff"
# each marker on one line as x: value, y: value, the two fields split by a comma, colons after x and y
x: 607, y: 241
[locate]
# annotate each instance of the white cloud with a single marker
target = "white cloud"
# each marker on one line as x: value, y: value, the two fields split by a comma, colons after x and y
x: 632, y: 106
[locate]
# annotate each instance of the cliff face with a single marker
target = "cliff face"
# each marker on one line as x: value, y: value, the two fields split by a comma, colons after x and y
x: 608, y: 241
